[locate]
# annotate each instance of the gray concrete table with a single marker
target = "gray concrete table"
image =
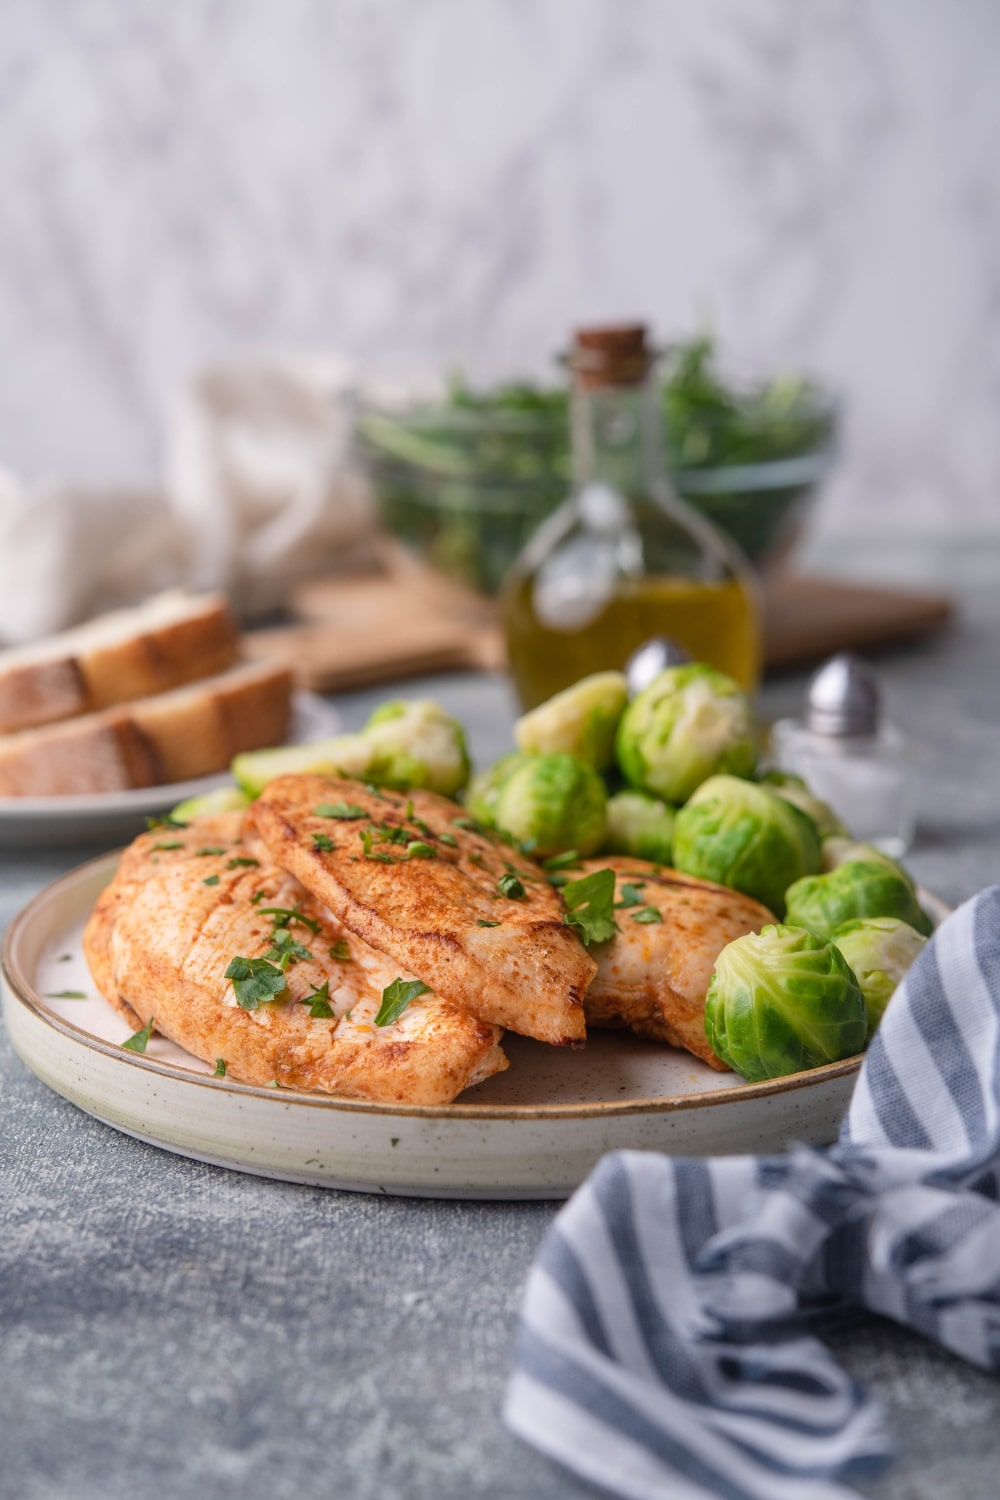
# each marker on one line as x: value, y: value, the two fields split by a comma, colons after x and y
x: 169, y: 1329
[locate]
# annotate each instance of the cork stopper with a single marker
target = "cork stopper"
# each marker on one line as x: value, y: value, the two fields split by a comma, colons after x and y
x: 612, y: 355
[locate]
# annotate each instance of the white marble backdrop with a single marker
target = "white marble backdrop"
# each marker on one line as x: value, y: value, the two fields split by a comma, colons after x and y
x: 421, y: 182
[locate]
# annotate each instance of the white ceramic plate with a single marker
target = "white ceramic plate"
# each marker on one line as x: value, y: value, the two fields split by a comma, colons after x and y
x: 111, y: 818
x: 532, y: 1132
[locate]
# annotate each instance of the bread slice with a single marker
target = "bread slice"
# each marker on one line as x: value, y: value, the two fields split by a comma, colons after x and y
x: 172, y: 639
x: 174, y: 736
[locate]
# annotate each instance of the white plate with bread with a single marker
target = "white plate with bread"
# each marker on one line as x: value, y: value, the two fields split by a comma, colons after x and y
x: 120, y: 719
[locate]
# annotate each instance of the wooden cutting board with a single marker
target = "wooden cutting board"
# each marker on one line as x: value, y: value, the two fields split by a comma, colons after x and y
x: 408, y: 622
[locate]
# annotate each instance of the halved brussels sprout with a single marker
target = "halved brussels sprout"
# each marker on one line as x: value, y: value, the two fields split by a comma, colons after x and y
x: 782, y: 1000
x: 415, y: 743
x: 551, y: 804
x: 690, y: 723
x: 223, y: 799
x: 580, y: 721
x: 484, y: 788
x: 641, y: 825
x: 857, y: 888
x: 795, y: 790
x: 345, y: 754
x: 743, y: 835
x: 879, y: 951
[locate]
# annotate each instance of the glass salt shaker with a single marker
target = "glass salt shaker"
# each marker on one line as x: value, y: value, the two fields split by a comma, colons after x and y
x: 851, y: 756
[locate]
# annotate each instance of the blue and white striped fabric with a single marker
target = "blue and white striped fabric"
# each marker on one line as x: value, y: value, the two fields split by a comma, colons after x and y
x: 668, y: 1343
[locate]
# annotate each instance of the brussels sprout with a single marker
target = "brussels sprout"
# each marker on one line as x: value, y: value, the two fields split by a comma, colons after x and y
x: 223, y: 799
x: 795, y: 790
x: 579, y: 721
x: 837, y: 851
x: 782, y: 1000
x: 858, y: 888
x: 690, y: 723
x: 415, y: 743
x: 745, y: 836
x: 879, y: 951
x: 641, y: 825
x: 345, y: 754
x: 553, y: 803
x: 484, y: 788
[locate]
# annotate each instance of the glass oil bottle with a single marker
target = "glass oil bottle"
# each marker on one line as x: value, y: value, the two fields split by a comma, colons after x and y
x: 623, y: 559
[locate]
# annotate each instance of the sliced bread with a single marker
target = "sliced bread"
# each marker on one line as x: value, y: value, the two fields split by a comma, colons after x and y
x: 192, y: 731
x: 170, y: 640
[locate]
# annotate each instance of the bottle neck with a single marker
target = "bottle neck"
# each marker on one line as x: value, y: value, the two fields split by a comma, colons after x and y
x: 617, y: 438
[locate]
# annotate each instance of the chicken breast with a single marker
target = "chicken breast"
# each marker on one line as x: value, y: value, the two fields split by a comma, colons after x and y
x: 409, y: 874
x: 185, y: 902
x: 653, y: 976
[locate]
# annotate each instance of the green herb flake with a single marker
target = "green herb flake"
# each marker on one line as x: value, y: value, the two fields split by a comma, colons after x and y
x: 416, y: 849
x: 64, y: 958
x: 347, y: 810
x: 257, y: 896
x: 284, y: 916
x: 208, y: 849
x: 469, y: 823
x: 254, y: 980
x: 66, y: 995
x: 449, y: 839
x: 558, y: 879
x: 323, y: 843
x: 340, y: 951
x: 165, y: 820
x: 570, y: 860
x: 210, y: 880
x: 394, y: 1140
x: 475, y: 858
x: 241, y: 862
x: 510, y: 885
x: 220, y: 1068
x: 521, y: 875
x: 646, y: 914
x: 140, y: 1041
x: 631, y: 895
x: 284, y: 950
x: 396, y: 997
x: 409, y: 808
x: 374, y: 791
x: 170, y: 844
x: 482, y: 922
x: 318, y: 1002
x: 590, y: 906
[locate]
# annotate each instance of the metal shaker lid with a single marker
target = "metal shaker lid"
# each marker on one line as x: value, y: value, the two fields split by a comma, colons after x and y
x: 650, y: 659
x: 844, y: 698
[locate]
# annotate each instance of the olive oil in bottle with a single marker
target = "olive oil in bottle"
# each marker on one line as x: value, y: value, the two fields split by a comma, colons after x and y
x: 623, y: 558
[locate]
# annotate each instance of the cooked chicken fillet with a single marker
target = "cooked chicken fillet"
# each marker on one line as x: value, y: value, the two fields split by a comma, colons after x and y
x: 653, y: 976
x: 185, y: 902
x: 508, y: 960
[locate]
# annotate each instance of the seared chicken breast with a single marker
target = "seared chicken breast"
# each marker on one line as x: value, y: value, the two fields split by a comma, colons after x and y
x: 409, y: 874
x: 185, y: 902
x: 653, y: 975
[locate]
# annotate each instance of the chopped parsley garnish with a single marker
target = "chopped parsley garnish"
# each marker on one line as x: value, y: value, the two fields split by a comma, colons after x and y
x: 220, y: 1068
x: 254, y: 980
x: 396, y: 997
x: 631, y: 895
x: 558, y: 879
x: 257, y: 896
x: 140, y: 1041
x: 241, y: 861
x: 646, y: 914
x: 208, y: 849
x: 210, y: 880
x: 570, y: 860
x: 165, y: 820
x: 482, y: 922
x: 66, y: 995
x: 324, y: 843
x: 340, y: 810
x: 286, y: 915
x: 373, y: 791
x: 513, y: 870
x: 590, y: 906
x: 409, y: 808
x: 64, y: 958
x: 464, y: 823
x: 475, y: 858
x: 510, y: 885
x: 449, y: 839
x: 417, y: 849
x: 340, y: 951
x: 284, y: 950
x: 171, y: 844
x: 318, y: 1002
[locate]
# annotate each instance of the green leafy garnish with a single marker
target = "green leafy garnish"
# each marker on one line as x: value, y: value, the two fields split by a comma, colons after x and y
x: 254, y: 980
x: 631, y: 895
x: 449, y: 839
x: 320, y: 1008
x: 210, y: 880
x: 165, y: 820
x: 590, y: 906
x: 66, y: 995
x: 239, y: 861
x: 568, y: 861
x: 64, y: 958
x: 285, y: 915
x: 140, y: 1041
x: 284, y: 950
x: 510, y: 885
x: 416, y: 849
x: 465, y: 823
x: 482, y: 922
x: 171, y: 844
x: 220, y: 1068
x: 340, y: 951
x: 340, y: 810
x: 323, y: 842
x: 396, y: 997
x: 257, y: 896
x: 409, y: 808
x: 208, y: 848
x: 647, y: 914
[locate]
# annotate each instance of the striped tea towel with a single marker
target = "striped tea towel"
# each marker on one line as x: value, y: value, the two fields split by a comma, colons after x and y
x: 667, y: 1342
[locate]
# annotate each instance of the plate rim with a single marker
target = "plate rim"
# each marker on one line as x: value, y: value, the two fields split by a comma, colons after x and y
x: 20, y: 988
